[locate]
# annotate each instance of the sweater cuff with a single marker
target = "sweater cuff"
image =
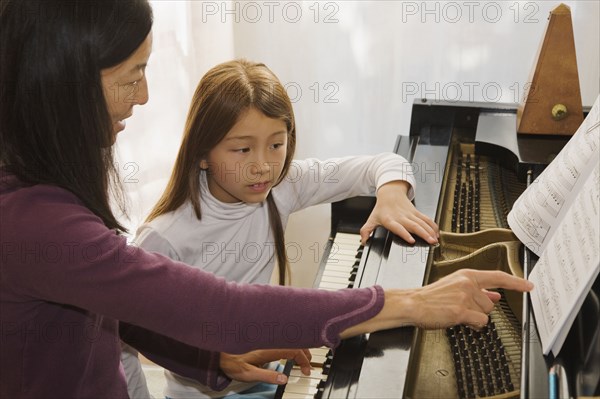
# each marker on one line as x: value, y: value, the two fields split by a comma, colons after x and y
x: 374, y: 304
x: 217, y: 380
x: 390, y: 176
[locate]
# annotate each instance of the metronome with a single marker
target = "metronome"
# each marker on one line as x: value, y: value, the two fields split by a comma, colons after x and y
x: 552, y: 103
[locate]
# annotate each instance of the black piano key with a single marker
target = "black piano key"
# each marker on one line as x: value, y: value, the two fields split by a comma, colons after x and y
x: 320, y: 389
x: 286, y: 370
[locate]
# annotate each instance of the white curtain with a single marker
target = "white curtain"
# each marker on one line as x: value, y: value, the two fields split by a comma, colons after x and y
x: 352, y: 69
x: 184, y: 48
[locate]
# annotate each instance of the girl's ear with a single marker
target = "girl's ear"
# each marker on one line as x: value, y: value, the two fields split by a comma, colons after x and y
x: 203, y: 164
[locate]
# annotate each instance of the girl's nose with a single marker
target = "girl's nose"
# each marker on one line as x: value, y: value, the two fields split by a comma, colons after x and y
x: 260, y: 167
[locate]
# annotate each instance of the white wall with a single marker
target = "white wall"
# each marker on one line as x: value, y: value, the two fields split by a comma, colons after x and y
x: 353, y: 69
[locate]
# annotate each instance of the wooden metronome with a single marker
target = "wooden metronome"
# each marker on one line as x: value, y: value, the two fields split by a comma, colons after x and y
x: 552, y: 103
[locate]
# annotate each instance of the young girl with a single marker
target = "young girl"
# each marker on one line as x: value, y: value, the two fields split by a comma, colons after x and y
x: 234, y: 186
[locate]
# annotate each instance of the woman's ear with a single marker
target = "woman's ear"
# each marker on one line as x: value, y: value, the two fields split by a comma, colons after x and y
x: 203, y: 164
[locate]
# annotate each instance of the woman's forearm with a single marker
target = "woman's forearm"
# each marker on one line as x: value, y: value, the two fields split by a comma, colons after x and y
x: 460, y: 298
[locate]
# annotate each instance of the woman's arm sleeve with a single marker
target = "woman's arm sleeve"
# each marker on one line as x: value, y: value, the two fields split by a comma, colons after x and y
x: 80, y: 262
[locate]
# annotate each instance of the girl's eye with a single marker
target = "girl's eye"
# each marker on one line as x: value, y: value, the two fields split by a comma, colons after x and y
x: 242, y: 150
x: 277, y: 145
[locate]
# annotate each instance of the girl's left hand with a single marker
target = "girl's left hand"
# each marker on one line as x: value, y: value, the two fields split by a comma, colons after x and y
x: 396, y: 212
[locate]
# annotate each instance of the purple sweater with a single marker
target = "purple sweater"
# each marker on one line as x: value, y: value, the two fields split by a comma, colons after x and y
x: 71, y: 289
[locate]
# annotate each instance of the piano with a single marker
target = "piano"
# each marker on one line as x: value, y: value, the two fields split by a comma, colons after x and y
x: 470, y: 167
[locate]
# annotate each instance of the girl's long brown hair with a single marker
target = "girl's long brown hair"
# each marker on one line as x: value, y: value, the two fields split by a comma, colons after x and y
x: 222, y: 95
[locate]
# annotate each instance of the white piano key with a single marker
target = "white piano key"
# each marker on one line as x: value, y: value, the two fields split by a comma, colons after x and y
x: 318, y: 360
x: 302, y: 381
x: 322, y: 350
x: 301, y: 389
x: 293, y: 395
x: 343, y: 254
x: 332, y: 286
x: 347, y: 267
x: 315, y: 373
x: 328, y: 282
x: 345, y: 251
x: 347, y: 237
x: 335, y: 279
x: 336, y: 273
x: 340, y: 260
x: 342, y: 240
x: 337, y: 268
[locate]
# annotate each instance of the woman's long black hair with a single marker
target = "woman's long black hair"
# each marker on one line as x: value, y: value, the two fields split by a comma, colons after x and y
x: 54, y: 123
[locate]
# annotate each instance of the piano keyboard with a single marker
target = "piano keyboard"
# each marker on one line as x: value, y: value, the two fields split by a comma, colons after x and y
x: 342, y: 263
x: 339, y: 273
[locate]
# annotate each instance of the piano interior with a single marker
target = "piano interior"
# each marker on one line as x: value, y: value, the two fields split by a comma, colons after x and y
x: 470, y: 167
x: 461, y: 362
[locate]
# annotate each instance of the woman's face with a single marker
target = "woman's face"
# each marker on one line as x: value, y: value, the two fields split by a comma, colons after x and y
x: 125, y: 85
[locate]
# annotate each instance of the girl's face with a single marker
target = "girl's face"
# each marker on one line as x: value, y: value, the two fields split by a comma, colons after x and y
x: 125, y: 85
x: 248, y: 161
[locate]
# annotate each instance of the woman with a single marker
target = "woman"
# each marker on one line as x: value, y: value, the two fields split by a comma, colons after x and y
x: 71, y: 287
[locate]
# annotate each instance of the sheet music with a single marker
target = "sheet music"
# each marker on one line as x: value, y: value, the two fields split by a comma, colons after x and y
x: 558, y: 218
x: 568, y: 267
x: 542, y: 207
